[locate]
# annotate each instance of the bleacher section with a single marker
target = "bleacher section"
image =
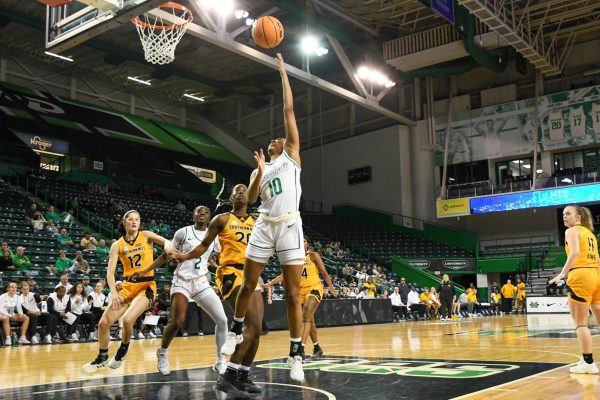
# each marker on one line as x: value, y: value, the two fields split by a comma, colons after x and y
x: 380, y: 244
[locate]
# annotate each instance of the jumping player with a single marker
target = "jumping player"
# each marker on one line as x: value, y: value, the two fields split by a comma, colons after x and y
x: 311, y: 293
x: 583, y: 268
x: 190, y: 283
x: 278, y: 228
x: 233, y: 230
x: 134, y: 250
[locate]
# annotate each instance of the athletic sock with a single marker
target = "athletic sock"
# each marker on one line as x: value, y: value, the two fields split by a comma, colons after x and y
x: 588, y: 358
x: 104, y: 353
x: 295, y: 346
x: 231, y: 371
x: 237, y: 326
x: 244, y: 368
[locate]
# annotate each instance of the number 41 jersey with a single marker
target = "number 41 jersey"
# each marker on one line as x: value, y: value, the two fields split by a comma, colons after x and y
x: 136, y: 254
x: 280, y: 187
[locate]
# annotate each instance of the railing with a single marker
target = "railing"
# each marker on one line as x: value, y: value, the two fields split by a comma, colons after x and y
x: 523, y: 244
x: 524, y: 185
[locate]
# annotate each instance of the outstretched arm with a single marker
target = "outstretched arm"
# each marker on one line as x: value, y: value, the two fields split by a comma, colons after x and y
x: 273, y: 282
x: 256, y: 176
x: 316, y: 258
x: 216, y: 225
x: 156, y: 264
x: 292, y: 138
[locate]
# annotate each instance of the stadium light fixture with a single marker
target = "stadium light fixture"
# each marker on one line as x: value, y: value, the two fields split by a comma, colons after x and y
x: 374, y: 76
x: 69, y: 59
x: 321, y: 51
x: 250, y: 21
x: 223, y: 7
x: 135, y: 79
x: 239, y: 14
x: 527, y: 166
x: 193, y: 97
x: 539, y: 171
x: 309, y: 44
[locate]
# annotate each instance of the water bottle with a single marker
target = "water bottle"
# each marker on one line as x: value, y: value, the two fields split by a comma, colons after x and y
x: 14, y: 338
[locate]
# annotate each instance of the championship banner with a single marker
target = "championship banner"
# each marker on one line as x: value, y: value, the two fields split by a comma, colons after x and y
x: 444, y: 265
x: 566, y: 119
x: 44, y: 144
x: 205, y: 175
x: 453, y: 207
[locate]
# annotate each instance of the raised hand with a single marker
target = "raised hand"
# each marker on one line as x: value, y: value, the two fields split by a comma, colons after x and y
x: 280, y: 63
x: 259, y: 157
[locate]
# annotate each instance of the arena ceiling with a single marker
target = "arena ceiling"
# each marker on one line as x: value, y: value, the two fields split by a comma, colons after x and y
x: 362, y: 26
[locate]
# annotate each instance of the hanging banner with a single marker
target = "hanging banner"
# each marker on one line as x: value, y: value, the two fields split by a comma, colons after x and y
x: 205, y: 175
x: 566, y: 119
x: 453, y: 207
x: 44, y: 144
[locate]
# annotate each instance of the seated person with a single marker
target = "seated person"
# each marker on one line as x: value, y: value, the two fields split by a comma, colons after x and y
x: 415, y: 307
x: 87, y: 289
x: 163, y: 229
x: 495, y: 301
x: 102, y: 249
x: 64, y: 282
x: 97, y: 301
x: 80, y: 265
x: 37, y: 222
x: 20, y: 260
x: 472, y: 303
x: 88, y: 242
x: 62, y: 263
x: 29, y: 303
x: 64, y: 241
x: 426, y: 301
x: 67, y: 218
x: 6, y: 261
x: 11, y: 311
x: 434, y: 297
x: 462, y: 302
x: 51, y: 214
x: 49, y: 229
x: 59, y: 304
x: 152, y: 226
x: 398, y: 307
x: 4, y: 246
x: 80, y: 306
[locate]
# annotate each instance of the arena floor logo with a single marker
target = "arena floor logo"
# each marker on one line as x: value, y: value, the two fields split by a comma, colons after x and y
x: 412, y: 368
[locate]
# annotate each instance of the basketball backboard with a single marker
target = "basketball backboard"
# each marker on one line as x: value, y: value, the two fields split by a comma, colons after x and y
x: 81, y: 20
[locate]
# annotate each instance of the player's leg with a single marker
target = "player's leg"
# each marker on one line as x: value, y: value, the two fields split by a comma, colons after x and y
x: 109, y: 317
x: 210, y: 303
x: 291, y: 283
x: 252, y: 271
x: 309, y: 327
x: 138, y: 305
x: 236, y: 377
x: 179, y: 306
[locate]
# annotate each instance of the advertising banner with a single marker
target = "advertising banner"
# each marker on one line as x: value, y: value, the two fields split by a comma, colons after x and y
x: 453, y: 207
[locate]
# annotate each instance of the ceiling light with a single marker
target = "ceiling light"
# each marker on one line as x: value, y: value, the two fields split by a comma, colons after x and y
x: 539, y: 171
x: 363, y: 72
x: 389, y: 84
x: 239, y: 14
x: 250, y: 21
x: 59, y: 56
x: 527, y: 166
x: 321, y: 51
x: 567, y: 180
x: 193, y: 97
x: 133, y: 78
x: 223, y: 7
x: 309, y: 44
x: 517, y: 161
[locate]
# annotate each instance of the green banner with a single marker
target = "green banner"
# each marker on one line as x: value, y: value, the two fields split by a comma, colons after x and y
x: 566, y: 119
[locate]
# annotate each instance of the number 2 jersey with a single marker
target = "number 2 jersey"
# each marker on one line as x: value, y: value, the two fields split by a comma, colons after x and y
x: 588, y: 249
x: 185, y: 240
x: 136, y: 254
x: 280, y: 187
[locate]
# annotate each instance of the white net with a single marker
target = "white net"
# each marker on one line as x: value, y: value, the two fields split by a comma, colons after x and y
x: 161, y: 30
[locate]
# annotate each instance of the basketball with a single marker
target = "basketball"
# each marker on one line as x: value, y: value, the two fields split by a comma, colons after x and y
x: 267, y: 32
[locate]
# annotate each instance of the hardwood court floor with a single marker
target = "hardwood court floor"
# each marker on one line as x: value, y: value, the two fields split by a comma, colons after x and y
x: 480, y: 358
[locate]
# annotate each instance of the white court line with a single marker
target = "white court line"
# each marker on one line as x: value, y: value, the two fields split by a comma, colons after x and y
x: 330, y: 396
x: 507, y: 383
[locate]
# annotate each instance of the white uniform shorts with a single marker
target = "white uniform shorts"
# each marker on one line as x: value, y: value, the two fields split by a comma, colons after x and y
x: 285, y: 237
x: 193, y: 289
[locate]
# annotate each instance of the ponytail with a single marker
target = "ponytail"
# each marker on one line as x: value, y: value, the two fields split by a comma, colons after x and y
x: 586, y: 218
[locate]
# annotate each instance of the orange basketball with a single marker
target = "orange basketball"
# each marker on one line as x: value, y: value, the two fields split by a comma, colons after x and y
x: 267, y: 32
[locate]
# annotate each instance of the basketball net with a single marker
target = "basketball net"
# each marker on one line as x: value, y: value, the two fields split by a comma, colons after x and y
x: 159, y: 38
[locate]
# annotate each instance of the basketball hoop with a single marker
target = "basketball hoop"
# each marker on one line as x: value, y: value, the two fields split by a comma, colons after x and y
x: 159, y: 39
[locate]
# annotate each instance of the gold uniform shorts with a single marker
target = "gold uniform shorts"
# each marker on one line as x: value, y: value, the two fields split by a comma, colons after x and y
x: 315, y: 290
x: 584, y: 285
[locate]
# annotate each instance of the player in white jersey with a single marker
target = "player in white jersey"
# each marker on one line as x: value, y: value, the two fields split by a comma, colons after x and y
x: 190, y: 283
x: 577, y: 121
x: 595, y: 114
x: 278, y: 228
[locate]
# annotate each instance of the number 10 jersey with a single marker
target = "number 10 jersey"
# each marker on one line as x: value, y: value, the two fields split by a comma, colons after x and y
x: 280, y: 188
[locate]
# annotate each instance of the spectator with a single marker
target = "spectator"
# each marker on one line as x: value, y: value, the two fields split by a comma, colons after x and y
x: 30, y: 212
x: 64, y: 282
x: 59, y: 305
x: 163, y: 229
x: 508, y: 293
x: 4, y: 246
x: 29, y: 302
x: 20, y: 260
x: 447, y: 294
x: 347, y: 271
x: 6, y: 261
x: 87, y: 289
x: 403, y: 289
x: 372, y: 290
x: 471, y: 299
x: 363, y: 294
x: 80, y: 265
x: 97, y: 301
x: 37, y: 292
x: 354, y: 293
x: 80, y: 306
x: 37, y: 222
x: 495, y: 286
x: 49, y: 230
x: 180, y: 206
x: 102, y: 249
x: 495, y: 300
x: 61, y: 264
x: 425, y: 300
x: 11, y: 311
x: 398, y: 307
x: 435, y: 301
x: 67, y: 218
x: 461, y: 303
x: 51, y: 214
x: 414, y: 305
x: 152, y: 226
x: 88, y: 242
x: 521, y: 296
x: 63, y: 240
